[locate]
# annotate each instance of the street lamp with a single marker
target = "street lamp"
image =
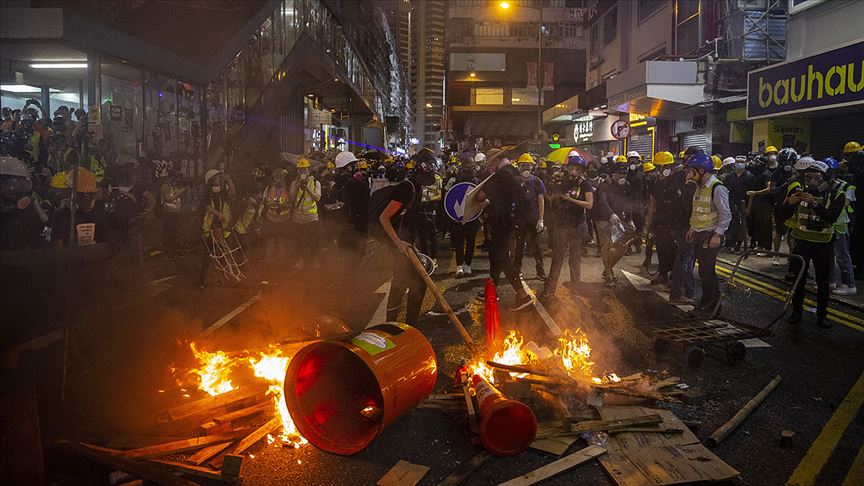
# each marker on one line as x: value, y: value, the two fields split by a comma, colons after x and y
x: 506, y: 6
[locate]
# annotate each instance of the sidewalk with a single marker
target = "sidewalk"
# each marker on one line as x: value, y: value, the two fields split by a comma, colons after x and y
x: 762, y: 266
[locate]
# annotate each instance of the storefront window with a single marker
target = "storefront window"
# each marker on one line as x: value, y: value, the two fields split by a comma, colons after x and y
x: 122, y: 110
x: 235, y: 93
x: 217, y: 116
x: 267, y: 50
x: 160, y: 118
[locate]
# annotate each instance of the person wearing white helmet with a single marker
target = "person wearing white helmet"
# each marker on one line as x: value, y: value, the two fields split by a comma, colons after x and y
x: 738, y: 180
x: 22, y: 217
x: 813, y: 207
x: 217, y: 215
x: 343, y: 159
x: 479, y: 158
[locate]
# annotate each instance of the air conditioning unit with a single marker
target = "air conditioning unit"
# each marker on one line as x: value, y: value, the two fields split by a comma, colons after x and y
x: 753, y: 4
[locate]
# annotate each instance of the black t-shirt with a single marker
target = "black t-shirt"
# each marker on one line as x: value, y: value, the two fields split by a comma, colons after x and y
x: 567, y: 213
x: 738, y: 185
x: 673, y: 199
x: 62, y: 219
x: 504, y: 194
x: 20, y: 229
x: 356, y: 194
x: 619, y: 199
x: 407, y: 194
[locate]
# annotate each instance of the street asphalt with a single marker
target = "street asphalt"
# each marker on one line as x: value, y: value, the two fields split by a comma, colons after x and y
x: 129, y: 325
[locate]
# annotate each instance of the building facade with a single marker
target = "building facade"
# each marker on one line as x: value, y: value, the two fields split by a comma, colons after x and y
x: 427, y: 71
x: 502, y: 72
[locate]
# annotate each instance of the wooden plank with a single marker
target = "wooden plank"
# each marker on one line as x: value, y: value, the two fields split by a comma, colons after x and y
x: 403, y: 473
x: 208, y: 453
x: 257, y: 435
x: 231, y: 465
x: 201, y: 472
x: 244, y: 395
x: 469, y: 404
x: 141, y: 469
x: 607, y: 425
x: 556, y: 467
x: 182, y: 445
x: 554, y: 445
x: 222, y: 423
x: 465, y: 469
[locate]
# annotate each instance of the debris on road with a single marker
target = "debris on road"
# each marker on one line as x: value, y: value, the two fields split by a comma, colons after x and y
x: 556, y: 467
x: 403, y: 473
x: 727, y: 428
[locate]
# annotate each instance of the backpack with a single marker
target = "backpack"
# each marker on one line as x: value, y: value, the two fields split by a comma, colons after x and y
x: 378, y: 201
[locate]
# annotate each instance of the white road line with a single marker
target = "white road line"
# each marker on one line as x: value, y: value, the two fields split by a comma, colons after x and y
x: 550, y: 322
x: 42, y: 341
x: 231, y: 315
x: 380, y: 315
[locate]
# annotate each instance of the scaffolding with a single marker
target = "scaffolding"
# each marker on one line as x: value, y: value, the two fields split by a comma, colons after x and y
x: 753, y: 30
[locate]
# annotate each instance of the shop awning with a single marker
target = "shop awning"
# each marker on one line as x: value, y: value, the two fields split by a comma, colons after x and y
x: 656, y: 88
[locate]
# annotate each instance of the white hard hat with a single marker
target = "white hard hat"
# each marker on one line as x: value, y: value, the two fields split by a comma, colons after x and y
x: 820, y: 166
x: 210, y: 174
x: 804, y: 163
x: 479, y: 157
x: 343, y: 159
x: 11, y: 166
x: 728, y: 161
x: 573, y: 153
x: 633, y: 153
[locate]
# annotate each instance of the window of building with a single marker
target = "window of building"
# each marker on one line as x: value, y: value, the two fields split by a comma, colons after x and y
x: 688, y: 32
x: 610, y: 25
x: 487, y: 96
x: 594, y: 36
x: 648, y: 8
x: 655, y: 54
x: 523, y: 96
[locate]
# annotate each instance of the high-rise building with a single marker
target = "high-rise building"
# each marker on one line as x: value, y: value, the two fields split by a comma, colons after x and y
x: 427, y: 70
x: 502, y: 71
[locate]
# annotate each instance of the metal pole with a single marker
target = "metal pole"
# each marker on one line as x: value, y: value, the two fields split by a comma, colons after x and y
x: 540, y: 74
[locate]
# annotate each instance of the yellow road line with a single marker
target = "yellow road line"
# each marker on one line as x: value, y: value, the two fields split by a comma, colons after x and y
x: 807, y: 300
x: 855, y: 477
x: 822, y: 448
x: 833, y: 315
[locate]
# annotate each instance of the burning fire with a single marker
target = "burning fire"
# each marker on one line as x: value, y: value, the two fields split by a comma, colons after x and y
x: 575, y: 353
x: 214, y: 373
x: 514, y: 353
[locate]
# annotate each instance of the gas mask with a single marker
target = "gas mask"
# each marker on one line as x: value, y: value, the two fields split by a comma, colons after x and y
x: 740, y: 166
x: 525, y: 170
x: 592, y: 173
x: 666, y: 172
x: 303, y: 176
x: 216, y: 189
x: 815, y: 183
x: 622, y: 181
x: 787, y: 168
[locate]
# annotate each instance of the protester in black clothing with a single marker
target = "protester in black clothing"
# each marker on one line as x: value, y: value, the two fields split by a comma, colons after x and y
x: 662, y: 198
x: 611, y: 212
x: 463, y: 236
x: 529, y: 221
x: 739, y: 181
x: 759, y: 207
x: 396, y: 222
x: 501, y: 193
x: 570, y: 202
x: 638, y: 195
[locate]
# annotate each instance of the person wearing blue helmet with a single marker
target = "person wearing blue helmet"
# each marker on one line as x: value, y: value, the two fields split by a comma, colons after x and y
x: 570, y: 202
x: 709, y: 219
x: 842, y: 270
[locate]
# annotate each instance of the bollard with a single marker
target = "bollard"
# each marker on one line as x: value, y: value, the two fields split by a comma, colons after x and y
x: 493, y: 318
x: 507, y: 426
x: 341, y: 394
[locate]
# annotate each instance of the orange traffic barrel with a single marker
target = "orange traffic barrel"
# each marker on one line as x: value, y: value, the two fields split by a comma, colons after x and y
x: 507, y: 426
x: 341, y: 394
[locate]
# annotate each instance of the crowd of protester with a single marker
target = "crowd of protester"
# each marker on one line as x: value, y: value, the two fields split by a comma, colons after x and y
x: 296, y: 211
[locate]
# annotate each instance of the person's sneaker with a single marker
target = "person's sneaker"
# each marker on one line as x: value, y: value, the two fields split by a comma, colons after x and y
x: 467, y: 269
x: 776, y: 261
x: 844, y: 289
x: 521, y: 303
x: 794, y: 318
x: 822, y: 322
x: 460, y: 270
x: 681, y: 300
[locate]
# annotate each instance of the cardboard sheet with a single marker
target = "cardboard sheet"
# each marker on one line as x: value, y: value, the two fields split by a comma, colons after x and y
x: 665, y: 465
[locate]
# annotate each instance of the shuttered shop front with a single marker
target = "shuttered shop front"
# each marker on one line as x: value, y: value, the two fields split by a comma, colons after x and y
x: 830, y: 133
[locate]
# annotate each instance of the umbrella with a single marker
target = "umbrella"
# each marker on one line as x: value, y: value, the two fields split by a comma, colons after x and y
x: 532, y: 147
x: 558, y: 156
x: 424, y: 155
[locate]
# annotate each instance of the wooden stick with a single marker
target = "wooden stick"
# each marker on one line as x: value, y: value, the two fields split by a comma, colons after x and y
x: 248, y: 395
x: 148, y: 472
x: 465, y: 469
x: 224, y: 421
x: 182, y: 445
x: 201, y: 472
x: 469, y: 405
x: 519, y: 369
x: 208, y: 453
x: 607, y: 425
x: 742, y: 414
x: 412, y: 257
x: 257, y: 435
x: 556, y: 467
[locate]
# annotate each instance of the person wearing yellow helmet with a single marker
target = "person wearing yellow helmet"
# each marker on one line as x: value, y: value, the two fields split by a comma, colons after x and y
x: 363, y: 165
x: 718, y: 163
x: 851, y: 147
x: 304, y: 194
x: 620, y: 159
x: 90, y: 218
x: 648, y: 167
x: 770, y: 150
x: 529, y: 223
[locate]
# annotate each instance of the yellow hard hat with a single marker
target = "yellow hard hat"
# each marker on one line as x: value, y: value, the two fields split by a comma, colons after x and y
x: 86, y: 181
x: 525, y: 159
x: 58, y: 181
x: 542, y: 164
x: 663, y: 158
x: 621, y: 159
x: 770, y: 149
x: 851, y: 147
x: 681, y: 154
x: 718, y: 162
x: 410, y: 164
x: 647, y: 167
x: 303, y: 163
x: 389, y: 161
x: 330, y: 165
x: 362, y: 165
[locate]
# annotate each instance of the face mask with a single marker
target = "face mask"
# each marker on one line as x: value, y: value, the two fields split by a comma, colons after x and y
x: 787, y: 168
x: 666, y: 172
x: 303, y: 177
x: 526, y: 175
x: 622, y: 181
x: 739, y: 166
x: 772, y: 165
x: 632, y: 166
x: 772, y: 158
x: 216, y: 188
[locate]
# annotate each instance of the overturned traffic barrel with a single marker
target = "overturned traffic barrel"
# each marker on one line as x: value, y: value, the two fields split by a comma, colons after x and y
x: 341, y: 394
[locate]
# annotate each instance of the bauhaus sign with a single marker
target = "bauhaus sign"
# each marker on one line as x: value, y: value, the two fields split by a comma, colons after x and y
x: 830, y: 79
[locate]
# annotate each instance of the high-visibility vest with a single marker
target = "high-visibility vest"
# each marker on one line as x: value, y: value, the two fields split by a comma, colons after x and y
x: 275, y: 201
x: 807, y: 222
x: 34, y: 148
x: 790, y: 223
x: 704, y: 216
x: 304, y: 202
x: 208, y: 218
x: 841, y: 226
x: 97, y: 166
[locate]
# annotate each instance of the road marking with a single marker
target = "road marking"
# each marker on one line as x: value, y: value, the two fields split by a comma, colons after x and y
x: 822, y: 448
x: 380, y: 315
x: 833, y: 315
x: 42, y: 341
x: 231, y: 315
x: 541, y: 311
x: 856, y: 472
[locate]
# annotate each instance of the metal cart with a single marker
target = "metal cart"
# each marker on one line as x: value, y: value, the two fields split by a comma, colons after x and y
x: 696, y: 334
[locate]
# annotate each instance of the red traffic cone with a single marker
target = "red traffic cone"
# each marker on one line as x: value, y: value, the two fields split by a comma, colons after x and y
x: 507, y: 426
x: 493, y: 318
